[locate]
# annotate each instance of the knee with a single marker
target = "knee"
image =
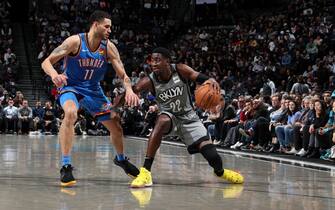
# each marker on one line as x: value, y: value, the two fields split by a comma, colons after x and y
x: 204, y: 143
x: 70, y: 116
x: 115, y: 117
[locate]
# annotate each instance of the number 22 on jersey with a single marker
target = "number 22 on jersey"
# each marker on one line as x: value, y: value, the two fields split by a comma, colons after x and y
x: 175, y: 106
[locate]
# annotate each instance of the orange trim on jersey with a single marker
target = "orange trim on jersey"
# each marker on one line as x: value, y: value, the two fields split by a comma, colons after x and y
x: 79, y: 49
x: 102, y: 113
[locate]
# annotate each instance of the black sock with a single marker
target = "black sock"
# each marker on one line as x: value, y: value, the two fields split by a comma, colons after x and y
x: 211, y: 155
x: 148, y: 163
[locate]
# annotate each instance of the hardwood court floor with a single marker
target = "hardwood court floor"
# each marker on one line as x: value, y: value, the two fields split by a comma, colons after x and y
x: 29, y: 179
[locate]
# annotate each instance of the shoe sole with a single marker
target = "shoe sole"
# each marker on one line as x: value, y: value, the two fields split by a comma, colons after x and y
x: 68, y: 184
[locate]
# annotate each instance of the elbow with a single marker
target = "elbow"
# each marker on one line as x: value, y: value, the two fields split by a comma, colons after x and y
x: 43, y: 64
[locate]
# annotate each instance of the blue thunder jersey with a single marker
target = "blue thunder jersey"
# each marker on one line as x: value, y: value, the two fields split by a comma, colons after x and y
x: 87, y: 68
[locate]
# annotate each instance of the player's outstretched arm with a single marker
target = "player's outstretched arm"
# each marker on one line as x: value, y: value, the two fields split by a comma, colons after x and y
x: 190, y: 74
x: 143, y: 84
x: 114, y: 56
x: 70, y: 45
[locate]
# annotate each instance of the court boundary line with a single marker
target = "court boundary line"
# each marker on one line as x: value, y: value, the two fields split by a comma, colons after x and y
x: 266, y: 158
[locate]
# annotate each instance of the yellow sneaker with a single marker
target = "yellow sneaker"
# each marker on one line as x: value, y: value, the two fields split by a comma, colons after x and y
x: 232, y: 176
x: 143, y: 179
x: 143, y: 196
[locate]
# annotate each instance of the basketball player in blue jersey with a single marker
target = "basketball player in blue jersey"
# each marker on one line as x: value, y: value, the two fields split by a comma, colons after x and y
x: 85, y: 58
x: 169, y: 83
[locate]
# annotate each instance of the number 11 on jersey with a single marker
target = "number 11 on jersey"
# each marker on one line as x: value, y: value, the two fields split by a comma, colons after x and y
x: 88, y: 74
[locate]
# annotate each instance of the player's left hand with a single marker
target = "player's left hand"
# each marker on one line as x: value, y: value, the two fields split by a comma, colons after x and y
x: 215, y: 84
x: 132, y: 99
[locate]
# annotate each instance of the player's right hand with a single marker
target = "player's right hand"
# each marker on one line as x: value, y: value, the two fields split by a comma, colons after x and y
x: 59, y: 80
x: 132, y: 99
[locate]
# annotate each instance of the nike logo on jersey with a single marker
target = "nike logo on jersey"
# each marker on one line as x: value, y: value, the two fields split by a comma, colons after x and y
x: 171, y: 93
x: 176, y: 79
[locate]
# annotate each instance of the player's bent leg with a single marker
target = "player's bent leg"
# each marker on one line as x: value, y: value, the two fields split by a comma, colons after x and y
x: 208, y: 151
x: 116, y: 137
x: 163, y: 126
x: 66, y: 135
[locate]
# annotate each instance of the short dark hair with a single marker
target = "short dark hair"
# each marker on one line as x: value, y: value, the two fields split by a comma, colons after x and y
x: 163, y: 51
x: 98, y: 15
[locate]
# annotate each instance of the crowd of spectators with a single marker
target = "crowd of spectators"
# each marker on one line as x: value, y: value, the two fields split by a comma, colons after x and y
x: 9, y: 65
x: 285, y: 123
x: 277, y: 70
x: 278, y: 75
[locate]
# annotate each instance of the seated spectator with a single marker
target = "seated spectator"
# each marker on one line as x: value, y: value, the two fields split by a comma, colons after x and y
x: 49, y: 119
x: 224, y: 123
x: 10, y: 117
x: 25, y: 118
x: 232, y: 136
x: 329, y: 154
x: 284, y: 133
x: 300, y: 87
x: 246, y: 122
x: 318, y: 137
x: 8, y: 56
x: 18, y: 99
x: 38, y: 113
x: 278, y: 116
x: 258, y: 133
x: 301, y: 126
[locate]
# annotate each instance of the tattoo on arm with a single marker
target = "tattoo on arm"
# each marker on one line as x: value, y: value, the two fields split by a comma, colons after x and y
x: 127, y: 82
x: 60, y: 49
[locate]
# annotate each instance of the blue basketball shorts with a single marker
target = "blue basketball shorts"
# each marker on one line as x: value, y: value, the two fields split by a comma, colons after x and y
x: 94, y: 101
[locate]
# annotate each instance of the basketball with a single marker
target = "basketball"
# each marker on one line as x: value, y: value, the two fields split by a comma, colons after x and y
x: 207, y: 96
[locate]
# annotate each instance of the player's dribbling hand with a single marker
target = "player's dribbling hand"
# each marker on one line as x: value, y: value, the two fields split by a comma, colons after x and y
x: 60, y: 80
x: 132, y: 99
x: 215, y: 84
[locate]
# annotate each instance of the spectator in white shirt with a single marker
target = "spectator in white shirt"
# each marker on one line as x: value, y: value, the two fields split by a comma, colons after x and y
x: 10, y: 116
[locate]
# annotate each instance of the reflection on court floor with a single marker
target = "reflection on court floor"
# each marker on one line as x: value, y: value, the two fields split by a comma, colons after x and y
x: 29, y: 178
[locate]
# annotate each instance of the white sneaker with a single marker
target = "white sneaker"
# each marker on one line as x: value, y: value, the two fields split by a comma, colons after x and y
x: 234, y: 146
x: 216, y: 142
x: 239, y: 144
x: 293, y: 151
x: 302, y: 152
